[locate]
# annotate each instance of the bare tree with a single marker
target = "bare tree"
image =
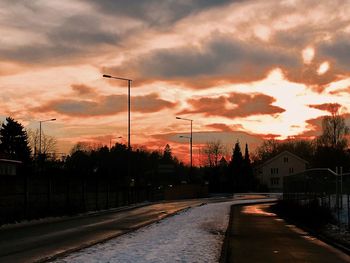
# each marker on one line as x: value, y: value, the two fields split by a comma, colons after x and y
x: 48, y: 143
x: 334, y: 129
x: 213, y: 150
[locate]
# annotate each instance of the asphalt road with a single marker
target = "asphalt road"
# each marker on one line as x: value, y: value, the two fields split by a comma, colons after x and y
x: 44, y: 241
x: 258, y: 236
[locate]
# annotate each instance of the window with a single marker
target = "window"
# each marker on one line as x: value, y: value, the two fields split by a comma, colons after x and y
x: 275, y: 181
x: 291, y: 170
x: 285, y: 159
x: 274, y: 170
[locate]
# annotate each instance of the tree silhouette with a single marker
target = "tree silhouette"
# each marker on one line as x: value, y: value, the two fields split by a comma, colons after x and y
x: 213, y: 151
x: 246, y: 155
x: 48, y: 143
x: 14, y: 140
x: 167, y: 154
x: 248, y: 177
x: 236, y: 166
x: 334, y: 130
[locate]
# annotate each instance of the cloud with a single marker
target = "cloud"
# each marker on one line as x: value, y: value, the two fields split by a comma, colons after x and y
x: 337, y: 50
x: 224, y: 127
x: 235, y: 105
x: 64, y: 37
x: 82, y: 89
x: 340, y: 91
x: 220, y: 58
x: 106, y: 105
x: 330, y: 107
x: 227, y: 138
x: 313, y: 128
x: 157, y: 13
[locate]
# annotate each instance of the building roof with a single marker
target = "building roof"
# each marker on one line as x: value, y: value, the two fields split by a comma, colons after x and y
x: 280, y: 154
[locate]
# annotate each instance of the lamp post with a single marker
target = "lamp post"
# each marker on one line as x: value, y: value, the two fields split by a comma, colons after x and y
x: 179, y: 118
x: 129, y: 85
x: 129, y: 147
x: 40, y: 122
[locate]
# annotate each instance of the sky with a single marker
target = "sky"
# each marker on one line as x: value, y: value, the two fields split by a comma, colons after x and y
x: 244, y: 70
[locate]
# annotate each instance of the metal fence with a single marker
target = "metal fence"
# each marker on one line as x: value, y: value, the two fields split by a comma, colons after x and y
x: 323, y: 187
x: 33, y: 196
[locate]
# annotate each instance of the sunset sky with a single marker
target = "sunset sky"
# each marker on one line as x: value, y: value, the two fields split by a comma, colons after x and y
x: 242, y: 70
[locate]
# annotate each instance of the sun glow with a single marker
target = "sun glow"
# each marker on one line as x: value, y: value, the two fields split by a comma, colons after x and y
x: 323, y: 68
x: 308, y: 55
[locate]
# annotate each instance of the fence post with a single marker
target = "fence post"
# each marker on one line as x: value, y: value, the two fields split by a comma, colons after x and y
x: 96, y: 193
x: 83, y: 193
x: 68, y: 194
x: 107, y: 192
x: 26, y: 195
x: 49, y: 189
x: 348, y: 199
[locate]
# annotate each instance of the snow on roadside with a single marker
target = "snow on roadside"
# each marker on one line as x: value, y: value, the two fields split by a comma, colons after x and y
x: 195, y: 235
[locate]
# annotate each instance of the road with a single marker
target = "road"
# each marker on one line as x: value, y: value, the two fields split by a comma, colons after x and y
x: 259, y: 236
x: 43, y: 241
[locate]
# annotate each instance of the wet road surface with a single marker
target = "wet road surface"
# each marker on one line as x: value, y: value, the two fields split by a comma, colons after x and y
x: 42, y: 241
x: 259, y: 236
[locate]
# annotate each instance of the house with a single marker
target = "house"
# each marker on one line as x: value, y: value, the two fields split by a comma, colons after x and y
x: 272, y: 172
x: 9, y: 167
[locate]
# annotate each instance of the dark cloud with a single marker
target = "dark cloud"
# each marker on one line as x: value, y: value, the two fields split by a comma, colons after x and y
x: 221, y: 57
x: 337, y: 50
x: 79, y: 36
x: 155, y: 12
x: 308, y: 75
x: 234, y: 106
x: 106, y: 105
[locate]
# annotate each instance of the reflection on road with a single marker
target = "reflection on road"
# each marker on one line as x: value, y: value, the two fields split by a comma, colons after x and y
x: 257, y: 210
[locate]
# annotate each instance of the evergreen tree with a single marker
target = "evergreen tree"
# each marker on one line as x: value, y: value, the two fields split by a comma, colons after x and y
x: 14, y: 140
x: 248, y: 177
x: 237, y: 157
x: 167, y: 154
x: 236, y: 165
x: 246, y: 155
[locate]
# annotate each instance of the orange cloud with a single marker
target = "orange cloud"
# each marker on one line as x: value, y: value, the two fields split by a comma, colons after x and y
x: 330, y: 107
x: 224, y: 127
x: 82, y: 89
x: 234, y: 106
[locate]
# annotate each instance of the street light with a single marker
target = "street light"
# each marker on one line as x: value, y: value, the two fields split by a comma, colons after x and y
x: 129, y: 84
x: 179, y: 118
x: 40, y: 133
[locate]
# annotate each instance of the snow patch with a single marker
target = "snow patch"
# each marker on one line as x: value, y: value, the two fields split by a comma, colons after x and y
x: 195, y: 235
